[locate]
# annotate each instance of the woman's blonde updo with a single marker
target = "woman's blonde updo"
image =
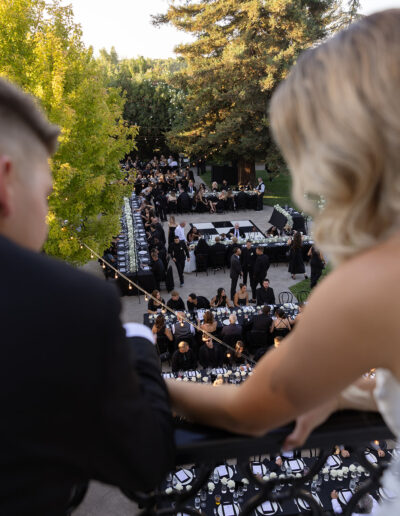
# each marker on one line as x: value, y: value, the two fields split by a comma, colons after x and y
x: 336, y: 119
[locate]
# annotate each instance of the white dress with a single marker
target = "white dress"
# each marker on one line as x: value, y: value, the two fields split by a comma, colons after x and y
x: 387, y: 396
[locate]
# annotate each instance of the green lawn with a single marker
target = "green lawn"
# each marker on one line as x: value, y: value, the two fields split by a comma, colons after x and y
x: 277, y: 191
x: 304, y: 285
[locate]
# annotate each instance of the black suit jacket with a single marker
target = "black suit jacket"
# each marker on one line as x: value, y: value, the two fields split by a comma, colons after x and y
x: 265, y: 296
x: 247, y: 258
x: 261, y: 267
x: 232, y: 233
x: 78, y: 400
x: 236, y: 267
x: 261, y: 322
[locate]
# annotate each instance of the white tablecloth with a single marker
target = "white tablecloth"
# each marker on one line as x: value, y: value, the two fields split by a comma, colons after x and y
x: 190, y: 266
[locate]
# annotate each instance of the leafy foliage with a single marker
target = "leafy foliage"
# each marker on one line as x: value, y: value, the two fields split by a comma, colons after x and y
x: 41, y: 49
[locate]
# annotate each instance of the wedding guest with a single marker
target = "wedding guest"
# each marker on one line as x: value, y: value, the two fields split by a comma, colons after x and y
x: 153, y: 306
x: 157, y: 268
x: 272, y: 231
x: 202, y: 248
x: 235, y: 270
x: 262, y: 322
x: 220, y: 300
x: 163, y: 335
x: 296, y: 263
x: 209, y: 324
x: 182, y: 330
x: 178, y: 252
x: 366, y: 505
x: 317, y: 264
x: 171, y: 230
x: 241, y: 298
x: 236, y: 358
x: 217, y: 249
x: 265, y: 294
x: 210, y: 354
x: 261, y: 266
x: 195, y: 302
x: 248, y: 258
x: 180, y: 231
x: 64, y: 423
x: 175, y: 302
x: 172, y: 202
x: 232, y: 329
x: 281, y: 325
x: 236, y: 232
x: 193, y: 234
x: 183, y: 359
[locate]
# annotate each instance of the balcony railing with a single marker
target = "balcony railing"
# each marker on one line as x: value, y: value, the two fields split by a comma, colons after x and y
x: 201, y: 449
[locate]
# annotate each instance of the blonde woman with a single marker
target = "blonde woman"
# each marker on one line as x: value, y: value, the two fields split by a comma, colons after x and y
x: 336, y: 119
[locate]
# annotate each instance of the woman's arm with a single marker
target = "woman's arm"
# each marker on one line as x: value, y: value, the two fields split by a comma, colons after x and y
x: 169, y: 335
x: 228, y: 302
x: 235, y: 299
x: 307, y: 370
x: 247, y: 298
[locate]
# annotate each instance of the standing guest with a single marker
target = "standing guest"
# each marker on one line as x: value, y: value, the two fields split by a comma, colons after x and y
x: 317, y: 263
x: 64, y: 423
x: 241, y: 298
x: 176, y: 302
x: 178, y: 252
x: 236, y: 358
x: 221, y: 300
x: 195, y: 302
x: 183, y: 359
x: 157, y: 268
x: 154, y: 306
x: 236, y: 270
x: 210, y: 354
x: 171, y: 231
x: 184, y: 201
x: 281, y: 325
x: 260, y: 188
x: 248, y: 258
x: 296, y: 264
x: 261, y: 266
x: 172, y: 201
x: 180, y: 231
x: 209, y: 324
x: 265, y: 294
x: 230, y: 248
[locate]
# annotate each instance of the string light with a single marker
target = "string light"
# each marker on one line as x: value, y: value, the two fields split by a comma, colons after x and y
x: 91, y: 256
x: 165, y: 307
x: 116, y: 275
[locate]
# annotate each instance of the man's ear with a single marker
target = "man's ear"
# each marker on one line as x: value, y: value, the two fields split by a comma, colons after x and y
x: 6, y: 166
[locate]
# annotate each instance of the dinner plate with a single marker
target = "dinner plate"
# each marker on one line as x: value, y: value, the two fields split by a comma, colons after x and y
x: 184, y: 476
x: 120, y: 253
x: 228, y: 509
x: 258, y: 468
x: 267, y: 508
x: 387, y: 495
x: 226, y: 322
x: 225, y: 471
x: 344, y: 496
x: 142, y: 252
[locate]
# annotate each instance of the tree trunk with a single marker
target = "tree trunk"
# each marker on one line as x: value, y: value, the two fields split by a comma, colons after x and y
x: 246, y: 171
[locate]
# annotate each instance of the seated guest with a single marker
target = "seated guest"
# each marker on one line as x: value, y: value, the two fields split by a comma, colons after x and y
x: 201, y: 204
x: 164, y: 337
x: 265, y: 294
x: 202, y: 247
x: 183, y: 358
x: 176, y: 302
x: 157, y: 268
x: 214, y: 186
x: 154, y: 306
x: 241, y: 298
x: 236, y: 232
x: 365, y: 505
x: 191, y: 189
x: 210, y: 354
x: 272, y: 231
x: 156, y: 245
x: 215, y: 249
x: 184, y: 201
x: 221, y: 300
x: 159, y: 229
x: 172, y: 202
x: 193, y: 235
x: 233, y: 359
x: 209, y: 324
x: 232, y: 329
x: 182, y: 329
x: 224, y: 185
x: 281, y: 325
x: 262, y: 322
x: 197, y: 303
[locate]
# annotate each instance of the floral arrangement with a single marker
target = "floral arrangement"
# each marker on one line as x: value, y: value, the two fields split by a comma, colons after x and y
x: 127, y: 213
x: 286, y: 214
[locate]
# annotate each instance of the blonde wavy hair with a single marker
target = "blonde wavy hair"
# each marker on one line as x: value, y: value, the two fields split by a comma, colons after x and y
x: 336, y: 119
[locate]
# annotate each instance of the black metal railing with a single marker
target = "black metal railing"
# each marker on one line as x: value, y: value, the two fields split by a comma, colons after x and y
x: 252, y: 483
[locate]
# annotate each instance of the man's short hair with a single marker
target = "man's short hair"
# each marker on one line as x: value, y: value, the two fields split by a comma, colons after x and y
x: 249, y: 242
x: 217, y: 239
x: 192, y: 296
x: 266, y: 309
x: 174, y: 293
x: 259, y: 248
x: 232, y: 318
x: 19, y: 111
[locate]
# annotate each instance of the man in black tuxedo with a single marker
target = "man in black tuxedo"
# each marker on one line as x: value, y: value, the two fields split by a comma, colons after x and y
x: 197, y: 302
x: 191, y: 189
x: 233, y: 332
x: 157, y: 268
x: 178, y: 252
x: 236, y: 270
x: 184, y: 201
x: 79, y: 400
x: 261, y: 266
x: 248, y: 258
x: 217, y: 248
x: 265, y: 294
x: 262, y: 322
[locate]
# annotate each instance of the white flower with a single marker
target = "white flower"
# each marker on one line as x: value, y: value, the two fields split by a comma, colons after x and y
x: 265, y: 478
x: 245, y: 481
x: 205, y: 379
x: 298, y: 475
x: 352, y: 467
x: 273, y: 475
x: 360, y: 469
x: 237, y: 374
x: 193, y: 379
x: 334, y: 473
x: 211, y: 486
x: 179, y: 487
x: 224, y: 481
x: 188, y: 488
x: 186, y: 379
x: 325, y: 471
x: 168, y: 490
x: 231, y: 484
x: 345, y: 470
x: 243, y: 373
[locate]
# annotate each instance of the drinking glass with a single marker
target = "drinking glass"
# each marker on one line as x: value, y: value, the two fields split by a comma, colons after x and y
x: 217, y: 499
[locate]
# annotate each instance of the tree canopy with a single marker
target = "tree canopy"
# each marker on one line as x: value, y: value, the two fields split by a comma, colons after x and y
x: 41, y: 50
x: 241, y: 50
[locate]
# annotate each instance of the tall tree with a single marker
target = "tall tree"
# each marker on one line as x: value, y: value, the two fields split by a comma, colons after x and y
x: 241, y: 50
x: 41, y: 49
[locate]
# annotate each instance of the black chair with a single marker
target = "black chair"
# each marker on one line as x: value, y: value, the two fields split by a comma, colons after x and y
x: 285, y: 297
x: 302, y: 296
x: 258, y: 339
x: 202, y: 263
x: 219, y: 261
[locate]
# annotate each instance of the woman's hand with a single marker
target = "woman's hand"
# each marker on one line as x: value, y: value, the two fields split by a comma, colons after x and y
x: 306, y: 423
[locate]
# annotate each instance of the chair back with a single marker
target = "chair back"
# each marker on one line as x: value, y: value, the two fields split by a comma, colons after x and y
x: 220, y: 260
x: 285, y: 297
x: 201, y: 262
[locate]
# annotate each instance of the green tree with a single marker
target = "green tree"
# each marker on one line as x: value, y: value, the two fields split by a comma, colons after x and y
x: 241, y: 50
x: 41, y: 49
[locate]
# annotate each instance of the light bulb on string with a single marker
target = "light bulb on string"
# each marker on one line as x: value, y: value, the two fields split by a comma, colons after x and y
x: 130, y: 286
x: 146, y: 297
x: 91, y: 256
x: 116, y: 275
x: 103, y: 265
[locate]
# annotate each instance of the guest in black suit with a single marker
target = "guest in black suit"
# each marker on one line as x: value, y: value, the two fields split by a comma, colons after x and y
x: 183, y: 359
x: 231, y: 331
x: 248, y: 258
x: 77, y: 389
x: 236, y: 232
x: 157, y: 268
x: 262, y: 322
x: 178, y: 252
x: 184, y: 202
x: 197, y: 302
x: 265, y: 294
x: 210, y: 354
x: 261, y: 266
x: 236, y: 270
x: 215, y: 249
x: 176, y: 302
x: 191, y: 189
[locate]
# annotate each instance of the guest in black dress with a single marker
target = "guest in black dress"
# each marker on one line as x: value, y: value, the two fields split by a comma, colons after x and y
x: 153, y: 306
x: 164, y: 338
x: 221, y: 300
x: 171, y: 231
x: 317, y: 263
x: 296, y: 263
x: 241, y: 298
x: 236, y: 358
x: 281, y: 325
